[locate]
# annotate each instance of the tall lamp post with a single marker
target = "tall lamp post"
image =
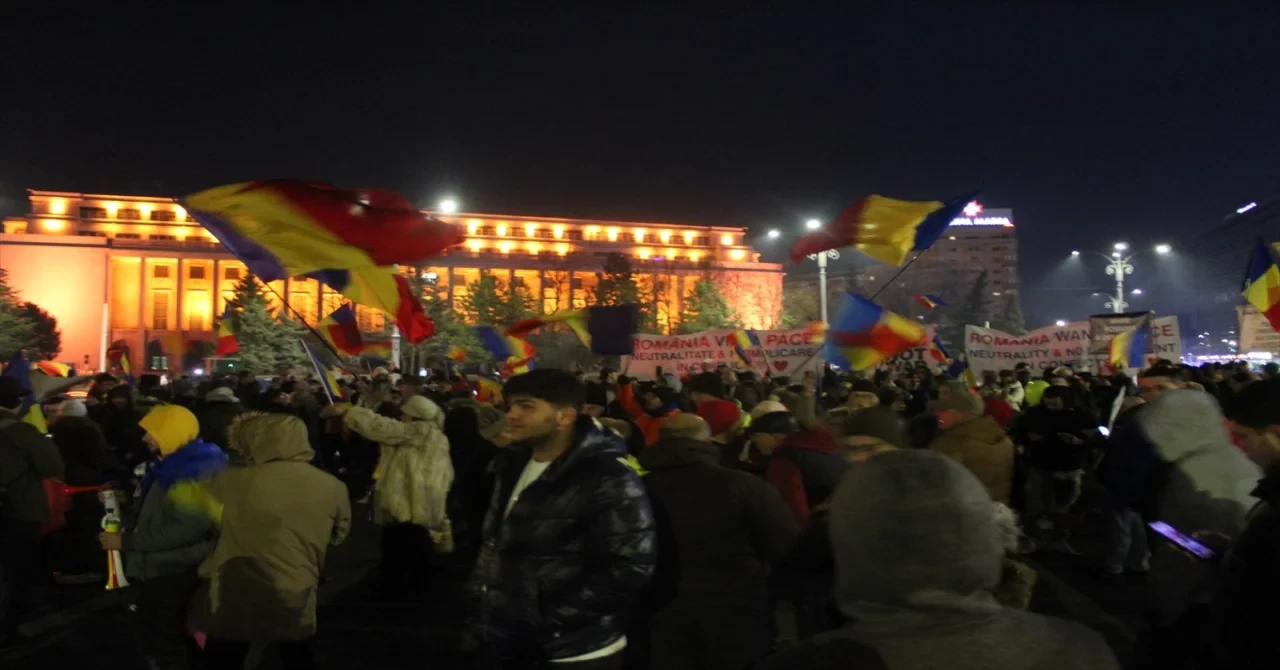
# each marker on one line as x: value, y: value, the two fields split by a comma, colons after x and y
x: 1118, y: 266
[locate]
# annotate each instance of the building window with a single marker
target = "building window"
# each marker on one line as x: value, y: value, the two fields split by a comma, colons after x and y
x: 702, y: 241
x: 129, y: 215
x: 162, y: 215
x: 232, y: 273
x: 160, y: 310
x: 91, y: 233
x: 93, y: 213
x: 159, y: 363
x: 574, y: 234
x: 160, y: 272
x: 169, y: 238
x: 128, y: 236
x: 194, y: 271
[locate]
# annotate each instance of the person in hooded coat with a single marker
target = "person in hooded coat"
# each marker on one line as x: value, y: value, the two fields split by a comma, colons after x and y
x: 88, y: 459
x: 278, y: 516
x: 918, y: 553
x: 163, y: 541
x: 974, y: 439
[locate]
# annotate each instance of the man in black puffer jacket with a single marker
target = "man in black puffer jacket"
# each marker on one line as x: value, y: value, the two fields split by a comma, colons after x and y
x: 568, y: 543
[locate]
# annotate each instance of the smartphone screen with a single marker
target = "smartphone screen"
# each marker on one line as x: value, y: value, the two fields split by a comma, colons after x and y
x: 1186, y: 542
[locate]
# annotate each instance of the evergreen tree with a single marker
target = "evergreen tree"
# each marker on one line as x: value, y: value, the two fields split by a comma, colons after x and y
x: 1011, y: 320
x: 46, y: 341
x: 492, y: 303
x: 617, y: 285
x: 269, y: 343
x: 706, y: 309
x: 16, y: 331
x: 972, y: 312
x: 799, y: 306
x: 450, y: 331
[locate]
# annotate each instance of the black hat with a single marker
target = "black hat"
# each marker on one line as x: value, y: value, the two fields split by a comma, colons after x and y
x: 774, y: 423
x: 11, y: 392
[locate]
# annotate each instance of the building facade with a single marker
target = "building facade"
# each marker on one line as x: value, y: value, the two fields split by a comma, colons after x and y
x: 980, y: 239
x: 139, y: 272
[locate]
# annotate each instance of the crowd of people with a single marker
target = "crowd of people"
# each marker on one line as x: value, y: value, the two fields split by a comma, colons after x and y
x: 717, y: 519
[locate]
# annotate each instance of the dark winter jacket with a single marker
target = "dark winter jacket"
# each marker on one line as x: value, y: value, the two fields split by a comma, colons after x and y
x: 215, y: 418
x: 1240, y: 633
x: 1050, y: 452
x: 729, y: 526
x: 1128, y: 465
x: 27, y: 458
x: 805, y: 470
x: 83, y: 449
x: 557, y: 575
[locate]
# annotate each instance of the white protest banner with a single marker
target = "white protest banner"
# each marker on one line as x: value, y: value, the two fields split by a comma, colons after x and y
x: 685, y: 354
x: 1256, y: 333
x: 994, y: 350
x: 920, y: 354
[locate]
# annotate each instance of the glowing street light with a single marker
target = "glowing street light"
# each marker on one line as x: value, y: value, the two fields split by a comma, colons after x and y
x: 774, y: 234
x: 1115, y: 254
x: 1137, y: 291
x: 448, y: 206
x: 1060, y: 323
x: 1121, y: 246
x: 1163, y: 248
x: 813, y: 224
x: 1075, y: 253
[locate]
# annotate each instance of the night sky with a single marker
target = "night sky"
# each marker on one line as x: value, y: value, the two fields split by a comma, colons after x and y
x: 1093, y: 125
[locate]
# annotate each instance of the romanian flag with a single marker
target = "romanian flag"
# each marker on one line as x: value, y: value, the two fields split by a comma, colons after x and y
x: 817, y: 332
x: 171, y: 344
x: 227, y: 342
x: 1262, y: 283
x: 126, y: 368
x: 937, y: 352
x: 929, y: 300
x: 488, y: 390
x: 604, y: 329
x: 380, y: 349
x: 515, y: 352
x: 743, y: 340
x: 289, y: 228
x: 19, y: 368
x: 327, y: 379
x: 53, y: 369
x: 864, y: 334
x: 456, y: 353
x: 341, y: 330
x: 386, y: 289
x: 883, y: 228
x: 1129, y: 348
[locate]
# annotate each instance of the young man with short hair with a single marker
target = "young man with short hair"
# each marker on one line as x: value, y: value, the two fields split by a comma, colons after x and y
x: 568, y: 543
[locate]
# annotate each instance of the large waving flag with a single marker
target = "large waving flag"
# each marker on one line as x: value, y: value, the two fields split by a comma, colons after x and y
x: 1129, y: 348
x: 227, y: 342
x: 288, y: 228
x: 937, y: 352
x: 341, y: 330
x: 883, y: 228
x: 865, y: 333
x: 1262, y: 283
x: 604, y: 329
x: 929, y: 300
x: 52, y: 369
x: 386, y: 289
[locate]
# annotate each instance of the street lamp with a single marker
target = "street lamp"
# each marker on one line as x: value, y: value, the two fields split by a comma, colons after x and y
x: 1118, y: 266
x: 774, y: 234
x: 448, y: 206
x: 813, y: 224
x: 1060, y: 323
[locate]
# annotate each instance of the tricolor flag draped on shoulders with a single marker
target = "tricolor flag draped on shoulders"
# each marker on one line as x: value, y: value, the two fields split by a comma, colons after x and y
x: 864, y: 334
x: 1129, y: 348
x: 1262, y: 283
x: 352, y: 240
x: 604, y: 329
x: 885, y: 229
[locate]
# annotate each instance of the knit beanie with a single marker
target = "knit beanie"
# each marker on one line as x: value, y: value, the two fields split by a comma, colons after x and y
x: 172, y: 426
x: 878, y: 422
x: 721, y: 415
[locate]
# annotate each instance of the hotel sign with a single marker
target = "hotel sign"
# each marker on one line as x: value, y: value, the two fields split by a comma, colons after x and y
x: 975, y: 215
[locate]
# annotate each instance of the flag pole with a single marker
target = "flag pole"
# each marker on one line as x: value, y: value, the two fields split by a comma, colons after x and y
x: 897, y: 274
x: 323, y: 340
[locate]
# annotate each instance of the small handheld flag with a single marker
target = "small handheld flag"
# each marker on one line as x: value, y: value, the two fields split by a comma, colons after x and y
x: 864, y: 334
x: 227, y: 342
x: 331, y: 386
x: 1262, y: 283
x: 1129, y: 348
x: 929, y: 300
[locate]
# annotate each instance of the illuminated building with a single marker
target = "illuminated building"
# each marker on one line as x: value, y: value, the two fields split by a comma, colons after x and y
x: 980, y: 239
x: 139, y: 272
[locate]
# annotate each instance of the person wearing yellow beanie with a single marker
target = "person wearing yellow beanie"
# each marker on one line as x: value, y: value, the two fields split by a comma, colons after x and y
x: 164, y: 542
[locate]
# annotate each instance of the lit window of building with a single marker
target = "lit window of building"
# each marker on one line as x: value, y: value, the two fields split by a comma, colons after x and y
x: 612, y: 233
x: 530, y: 229
x: 473, y: 226
x: 665, y: 237
x: 644, y: 252
x: 688, y: 236
x: 475, y: 245
x: 504, y: 247
x: 502, y: 229
x: 737, y: 254
x: 726, y: 239
x: 557, y: 232
x: 638, y: 233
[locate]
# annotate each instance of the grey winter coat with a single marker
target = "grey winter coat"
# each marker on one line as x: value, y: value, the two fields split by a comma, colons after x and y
x: 27, y: 458
x: 164, y: 539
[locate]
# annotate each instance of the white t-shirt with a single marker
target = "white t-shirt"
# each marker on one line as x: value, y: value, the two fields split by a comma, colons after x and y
x: 532, y: 471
